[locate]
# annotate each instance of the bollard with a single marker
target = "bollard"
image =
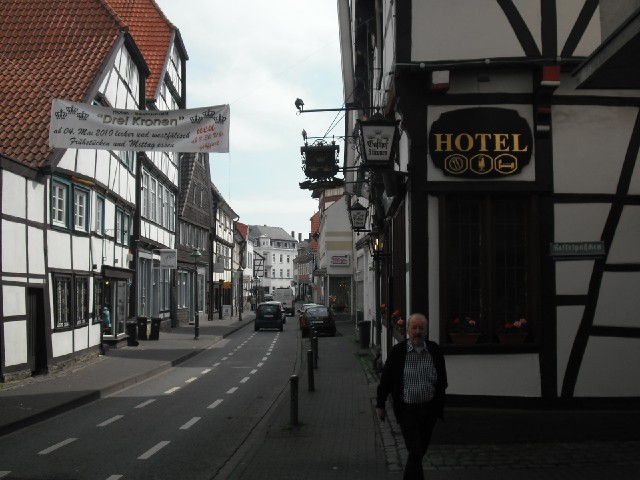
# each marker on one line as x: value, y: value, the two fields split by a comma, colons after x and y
x: 310, y: 370
x: 293, y: 382
x: 314, y: 347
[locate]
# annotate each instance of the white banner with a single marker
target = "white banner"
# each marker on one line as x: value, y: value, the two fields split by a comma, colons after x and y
x: 80, y: 125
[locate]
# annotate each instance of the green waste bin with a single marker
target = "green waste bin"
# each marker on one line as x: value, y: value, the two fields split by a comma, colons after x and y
x: 132, y: 332
x: 364, y: 329
x: 142, y: 328
x: 155, y: 329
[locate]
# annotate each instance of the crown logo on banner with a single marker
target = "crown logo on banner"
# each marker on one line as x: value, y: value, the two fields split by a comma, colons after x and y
x: 72, y: 109
x: 196, y: 119
x: 209, y: 113
x: 82, y: 116
x: 61, y: 115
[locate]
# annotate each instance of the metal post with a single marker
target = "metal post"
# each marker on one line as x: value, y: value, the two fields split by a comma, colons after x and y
x: 221, y: 284
x: 376, y: 261
x: 293, y: 382
x: 196, y: 317
x: 310, y: 370
x: 314, y: 347
x: 240, y: 297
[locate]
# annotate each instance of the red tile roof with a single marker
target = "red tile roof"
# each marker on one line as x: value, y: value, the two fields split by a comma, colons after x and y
x: 243, y: 229
x: 48, y: 49
x: 152, y: 32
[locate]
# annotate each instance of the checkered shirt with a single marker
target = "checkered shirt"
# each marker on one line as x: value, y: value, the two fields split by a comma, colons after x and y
x: 419, y: 376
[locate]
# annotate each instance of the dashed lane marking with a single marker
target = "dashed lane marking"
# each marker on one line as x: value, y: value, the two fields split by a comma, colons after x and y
x: 110, y: 421
x: 171, y: 390
x: 52, y: 448
x: 4, y: 473
x: 144, y: 404
x: 244, y: 380
x: 205, y: 371
x: 255, y: 370
x: 215, y: 404
x: 114, y: 477
x: 232, y: 390
x: 190, y: 423
x: 192, y: 379
x: 153, y: 450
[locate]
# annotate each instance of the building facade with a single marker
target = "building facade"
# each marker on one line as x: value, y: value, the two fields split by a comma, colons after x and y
x: 512, y: 203
x: 278, y: 249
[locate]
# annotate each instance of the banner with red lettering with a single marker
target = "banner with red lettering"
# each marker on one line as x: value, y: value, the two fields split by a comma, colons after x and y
x: 80, y: 125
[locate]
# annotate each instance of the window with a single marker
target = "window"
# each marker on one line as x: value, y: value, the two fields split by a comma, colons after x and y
x: 172, y: 212
x: 487, y: 268
x: 288, y: 273
x: 183, y: 290
x: 99, y: 215
x: 98, y: 298
x: 145, y: 194
x: 165, y: 297
x: 123, y: 227
x: 153, y: 199
x: 82, y: 300
x: 288, y: 258
x: 281, y: 274
x: 62, y: 305
x: 281, y: 257
x: 165, y: 209
x: 160, y: 216
x: 59, y: 192
x: 80, y: 209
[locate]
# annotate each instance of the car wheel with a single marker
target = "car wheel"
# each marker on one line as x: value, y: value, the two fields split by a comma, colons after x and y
x: 255, y: 328
x: 281, y: 328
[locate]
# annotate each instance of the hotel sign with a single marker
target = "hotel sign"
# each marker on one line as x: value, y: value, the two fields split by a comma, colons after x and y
x: 484, y: 142
x: 340, y: 261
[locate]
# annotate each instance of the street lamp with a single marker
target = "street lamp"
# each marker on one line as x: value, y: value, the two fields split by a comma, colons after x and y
x: 196, y: 318
x: 357, y: 216
x: 376, y: 247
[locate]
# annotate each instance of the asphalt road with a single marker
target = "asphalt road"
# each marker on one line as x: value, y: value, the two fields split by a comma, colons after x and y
x: 185, y: 423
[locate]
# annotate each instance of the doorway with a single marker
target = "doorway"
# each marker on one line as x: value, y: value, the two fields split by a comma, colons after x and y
x: 36, y: 332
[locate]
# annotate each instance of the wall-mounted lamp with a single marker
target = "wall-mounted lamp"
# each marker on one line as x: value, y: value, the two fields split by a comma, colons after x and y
x: 378, y: 137
x: 376, y: 242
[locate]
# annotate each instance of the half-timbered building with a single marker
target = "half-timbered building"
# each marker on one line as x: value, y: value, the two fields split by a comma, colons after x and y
x: 511, y: 211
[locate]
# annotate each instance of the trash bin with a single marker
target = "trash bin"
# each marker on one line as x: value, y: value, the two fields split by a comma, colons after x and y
x: 155, y: 329
x: 132, y: 332
x: 142, y: 328
x: 364, y: 328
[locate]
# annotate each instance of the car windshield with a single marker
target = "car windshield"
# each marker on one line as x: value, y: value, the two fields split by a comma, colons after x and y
x: 318, y: 311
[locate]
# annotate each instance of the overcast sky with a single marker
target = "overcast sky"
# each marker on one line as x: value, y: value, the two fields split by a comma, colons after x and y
x: 259, y: 56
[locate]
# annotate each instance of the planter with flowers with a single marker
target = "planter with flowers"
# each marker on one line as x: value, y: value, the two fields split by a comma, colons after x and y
x: 399, y: 325
x: 513, y: 332
x: 464, y: 331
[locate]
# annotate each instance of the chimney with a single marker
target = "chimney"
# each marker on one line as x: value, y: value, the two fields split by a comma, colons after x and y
x: 299, y: 238
x: 293, y: 234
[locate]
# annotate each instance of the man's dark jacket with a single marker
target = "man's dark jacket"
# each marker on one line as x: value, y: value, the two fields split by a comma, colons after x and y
x: 392, y: 379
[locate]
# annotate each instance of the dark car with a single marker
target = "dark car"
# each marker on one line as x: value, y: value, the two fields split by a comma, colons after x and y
x: 318, y: 318
x: 269, y: 315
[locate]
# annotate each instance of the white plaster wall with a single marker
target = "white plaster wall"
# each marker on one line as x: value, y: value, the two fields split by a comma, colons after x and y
x: 68, y: 160
x: 572, y: 277
x: 86, y: 162
x: 94, y: 334
x: 81, y: 253
x: 59, y: 249
x: 81, y: 338
x: 567, y: 13
x: 496, y: 375
x: 585, y: 160
x: 36, y: 251
x: 62, y: 343
x: 13, y: 188
x: 15, y: 344
x: 624, y: 248
x: 610, y: 368
x: 459, y: 29
x: 434, y: 174
x: 494, y: 81
x: 103, y: 161
x: 36, y: 201
x: 619, y: 300
x: 14, y: 299
x: 568, y: 321
x: 14, y: 247
x: 579, y: 222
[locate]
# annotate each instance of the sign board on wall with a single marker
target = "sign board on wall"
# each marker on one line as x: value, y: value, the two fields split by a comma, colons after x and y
x: 168, y: 258
x: 577, y: 250
x: 340, y: 260
x: 84, y: 126
x: 484, y: 142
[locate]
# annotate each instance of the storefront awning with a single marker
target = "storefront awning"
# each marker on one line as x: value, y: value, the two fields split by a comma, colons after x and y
x: 115, y: 272
x: 614, y: 65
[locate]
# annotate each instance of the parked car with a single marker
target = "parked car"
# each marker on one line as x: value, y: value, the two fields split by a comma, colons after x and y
x: 303, y: 309
x: 319, y: 318
x: 269, y: 315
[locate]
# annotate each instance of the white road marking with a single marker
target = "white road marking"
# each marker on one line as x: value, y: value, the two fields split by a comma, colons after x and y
x: 233, y: 389
x: 216, y: 403
x: 192, y: 379
x: 231, y: 354
x: 144, y: 404
x: 114, y: 477
x: 264, y: 359
x: 190, y: 423
x: 244, y: 380
x: 171, y: 390
x: 57, y: 446
x: 153, y: 450
x: 260, y: 364
x: 111, y: 420
x: 255, y: 370
x: 4, y: 473
x: 268, y: 353
x: 216, y: 364
x: 224, y: 358
x: 205, y: 371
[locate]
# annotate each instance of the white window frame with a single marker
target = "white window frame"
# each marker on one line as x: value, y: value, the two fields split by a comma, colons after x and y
x: 80, y: 209
x: 59, y: 197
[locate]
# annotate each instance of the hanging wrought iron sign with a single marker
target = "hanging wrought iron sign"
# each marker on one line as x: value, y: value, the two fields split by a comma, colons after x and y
x: 485, y: 142
x: 320, y: 160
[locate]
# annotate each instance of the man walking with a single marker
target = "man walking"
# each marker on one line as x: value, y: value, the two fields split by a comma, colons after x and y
x: 415, y: 376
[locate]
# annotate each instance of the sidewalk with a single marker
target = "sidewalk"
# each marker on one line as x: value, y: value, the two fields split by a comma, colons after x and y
x: 32, y: 400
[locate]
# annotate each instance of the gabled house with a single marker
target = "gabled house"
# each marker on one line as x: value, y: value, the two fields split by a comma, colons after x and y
x: 66, y: 263
x: 223, y: 217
